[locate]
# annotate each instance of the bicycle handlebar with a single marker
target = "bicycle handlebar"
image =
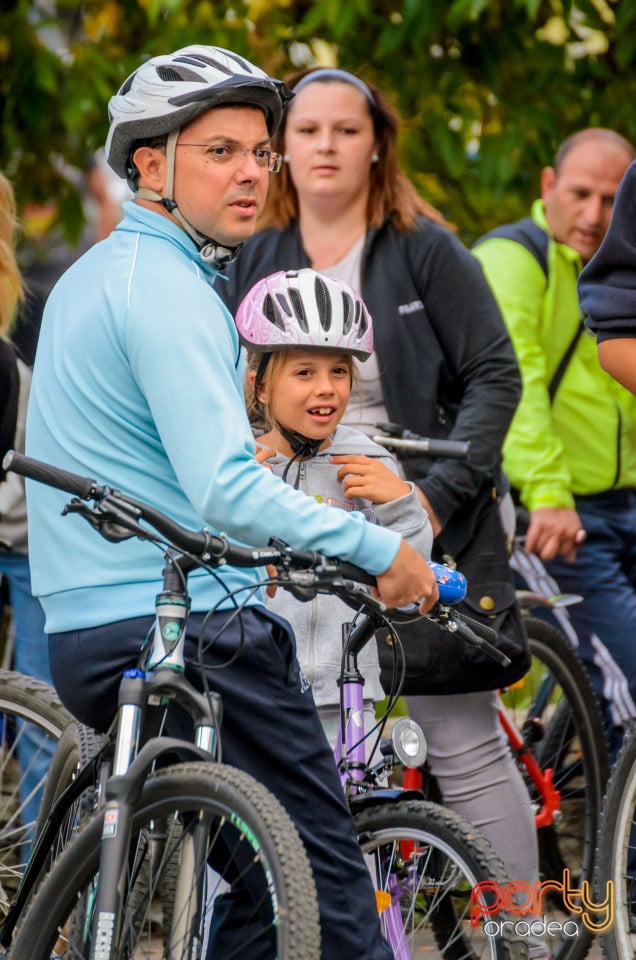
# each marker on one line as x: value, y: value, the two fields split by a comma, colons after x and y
x: 52, y: 476
x: 118, y: 512
x: 118, y: 515
x: 87, y: 489
x: 408, y: 442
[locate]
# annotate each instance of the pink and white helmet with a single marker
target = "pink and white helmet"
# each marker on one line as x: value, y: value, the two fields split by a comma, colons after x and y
x: 302, y: 308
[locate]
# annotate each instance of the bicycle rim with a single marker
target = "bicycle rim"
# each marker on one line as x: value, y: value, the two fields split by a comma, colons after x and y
x: 249, y: 887
x: 557, y: 700
x: 425, y: 861
x: 31, y: 722
x: 616, y: 854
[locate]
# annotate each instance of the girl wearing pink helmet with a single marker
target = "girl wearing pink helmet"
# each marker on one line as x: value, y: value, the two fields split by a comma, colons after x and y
x: 302, y: 331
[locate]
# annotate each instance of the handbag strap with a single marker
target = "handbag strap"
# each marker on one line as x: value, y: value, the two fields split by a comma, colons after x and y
x: 536, y: 241
x: 565, y: 360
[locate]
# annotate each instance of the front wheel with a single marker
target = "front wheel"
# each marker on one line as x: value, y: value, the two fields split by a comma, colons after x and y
x: 616, y: 853
x: 213, y: 857
x: 554, y: 706
x: 32, y: 720
x: 425, y: 862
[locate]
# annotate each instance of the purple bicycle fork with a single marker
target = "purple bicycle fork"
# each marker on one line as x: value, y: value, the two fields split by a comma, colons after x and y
x: 352, y: 775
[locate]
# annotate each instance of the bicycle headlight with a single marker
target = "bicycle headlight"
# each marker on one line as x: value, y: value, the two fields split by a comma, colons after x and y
x: 409, y: 742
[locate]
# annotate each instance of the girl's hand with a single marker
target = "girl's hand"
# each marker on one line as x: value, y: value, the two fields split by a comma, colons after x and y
x: 370, y: 479
x: 271, y: 588
x: 263, y: 454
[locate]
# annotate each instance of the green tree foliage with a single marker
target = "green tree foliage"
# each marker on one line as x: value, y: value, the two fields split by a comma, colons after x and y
x: 487, y: 88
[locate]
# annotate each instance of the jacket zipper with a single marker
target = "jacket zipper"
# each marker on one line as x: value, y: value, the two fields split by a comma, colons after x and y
x: 619, y: 433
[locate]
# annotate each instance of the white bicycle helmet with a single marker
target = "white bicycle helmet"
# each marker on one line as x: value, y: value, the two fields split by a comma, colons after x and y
x: 170, y: 91
x: 303, y: 308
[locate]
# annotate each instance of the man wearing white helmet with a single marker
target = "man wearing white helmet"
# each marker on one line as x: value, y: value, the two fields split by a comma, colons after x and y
x: 137, y: 382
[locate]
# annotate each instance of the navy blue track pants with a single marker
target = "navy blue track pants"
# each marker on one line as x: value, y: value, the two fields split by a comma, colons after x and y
x: 270, y: 729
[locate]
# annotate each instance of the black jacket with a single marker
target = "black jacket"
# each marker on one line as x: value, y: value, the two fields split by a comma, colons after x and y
x: 448, y: 369
x: 607, y: 284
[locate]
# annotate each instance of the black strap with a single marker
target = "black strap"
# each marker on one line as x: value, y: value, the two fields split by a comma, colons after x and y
x: 528, y: 234
x: 9, y: 394
x: 536, y: 241
x: 567, y: 356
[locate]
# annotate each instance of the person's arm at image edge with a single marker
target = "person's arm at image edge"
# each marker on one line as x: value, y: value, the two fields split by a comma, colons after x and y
x: 607, y: 288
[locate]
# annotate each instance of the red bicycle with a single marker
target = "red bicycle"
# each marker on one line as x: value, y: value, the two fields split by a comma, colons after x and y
x: 554, y: 726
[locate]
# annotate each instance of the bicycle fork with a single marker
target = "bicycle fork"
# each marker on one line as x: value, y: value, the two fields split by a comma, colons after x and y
x: 351, y: 759
x: 118, y: 868
x: 117, y: 825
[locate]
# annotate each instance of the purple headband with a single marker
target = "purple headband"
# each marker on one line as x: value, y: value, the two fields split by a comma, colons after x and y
x: 331, y: 73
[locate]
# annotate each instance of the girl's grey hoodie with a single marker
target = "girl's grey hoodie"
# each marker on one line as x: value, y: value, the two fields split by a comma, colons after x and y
x: 317, y: 623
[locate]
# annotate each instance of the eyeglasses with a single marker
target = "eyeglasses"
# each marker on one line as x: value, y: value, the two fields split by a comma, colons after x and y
x: 231, y: 152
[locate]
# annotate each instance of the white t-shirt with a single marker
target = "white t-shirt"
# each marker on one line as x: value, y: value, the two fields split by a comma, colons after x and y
x: 366, y: 405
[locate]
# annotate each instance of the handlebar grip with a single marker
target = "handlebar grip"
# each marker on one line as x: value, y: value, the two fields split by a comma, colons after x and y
x: 483, y: 631
x: 455, y: 449
x: 449, y: 449
x: 52, y: 476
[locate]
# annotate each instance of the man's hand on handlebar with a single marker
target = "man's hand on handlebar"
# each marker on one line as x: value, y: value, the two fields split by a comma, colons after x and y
x: 409, y: 579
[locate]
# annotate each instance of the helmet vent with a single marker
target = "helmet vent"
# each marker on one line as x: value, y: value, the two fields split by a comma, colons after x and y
x: 361, y: 320
x: 299, y: 309
x: 202, y: 63
x: 169, y: 73
x: 125, y: 87
x: 272, y: 313
x: 284, y: 304
x: 201, y: 60
x: 324, y: 303
x: 304, y: 310
x: 347, y: 312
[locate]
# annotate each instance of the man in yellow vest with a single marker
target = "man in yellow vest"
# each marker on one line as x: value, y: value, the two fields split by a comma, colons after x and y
x: 571, y: 450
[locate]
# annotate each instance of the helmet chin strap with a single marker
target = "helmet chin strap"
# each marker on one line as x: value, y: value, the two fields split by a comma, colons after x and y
x: 302, y: 447
x: 212, y: 252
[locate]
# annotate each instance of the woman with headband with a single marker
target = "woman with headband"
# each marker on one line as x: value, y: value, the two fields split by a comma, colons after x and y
x: 442, y: 366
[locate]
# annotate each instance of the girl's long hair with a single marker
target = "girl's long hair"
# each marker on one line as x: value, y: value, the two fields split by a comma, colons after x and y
x: 11, y: 288
x: 391, y: 193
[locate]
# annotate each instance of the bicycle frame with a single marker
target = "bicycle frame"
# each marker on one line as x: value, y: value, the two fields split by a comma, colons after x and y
x: 407, y: 443
x: 162, y: 677
x: 162, y: 680
x: 358, y: 778
x: 550, y: 797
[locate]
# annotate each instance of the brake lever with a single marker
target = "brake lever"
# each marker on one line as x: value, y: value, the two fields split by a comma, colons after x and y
x: 356, y: 596
x: 449, y: 619
x: 115, y: 521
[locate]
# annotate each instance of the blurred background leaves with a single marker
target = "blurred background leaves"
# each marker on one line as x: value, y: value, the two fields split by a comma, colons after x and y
x: 487, y: 88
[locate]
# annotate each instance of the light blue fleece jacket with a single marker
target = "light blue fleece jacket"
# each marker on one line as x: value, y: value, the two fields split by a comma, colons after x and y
x: 137, y: 383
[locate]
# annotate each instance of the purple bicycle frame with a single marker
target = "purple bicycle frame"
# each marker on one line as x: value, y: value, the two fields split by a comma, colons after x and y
x: 353, y: 771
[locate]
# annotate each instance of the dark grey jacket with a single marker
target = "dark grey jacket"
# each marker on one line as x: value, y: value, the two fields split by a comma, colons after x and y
x: 447, y: 365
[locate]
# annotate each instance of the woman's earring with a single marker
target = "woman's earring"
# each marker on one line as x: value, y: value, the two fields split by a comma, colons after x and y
x: 374, y: 158
x: 286, y: 158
